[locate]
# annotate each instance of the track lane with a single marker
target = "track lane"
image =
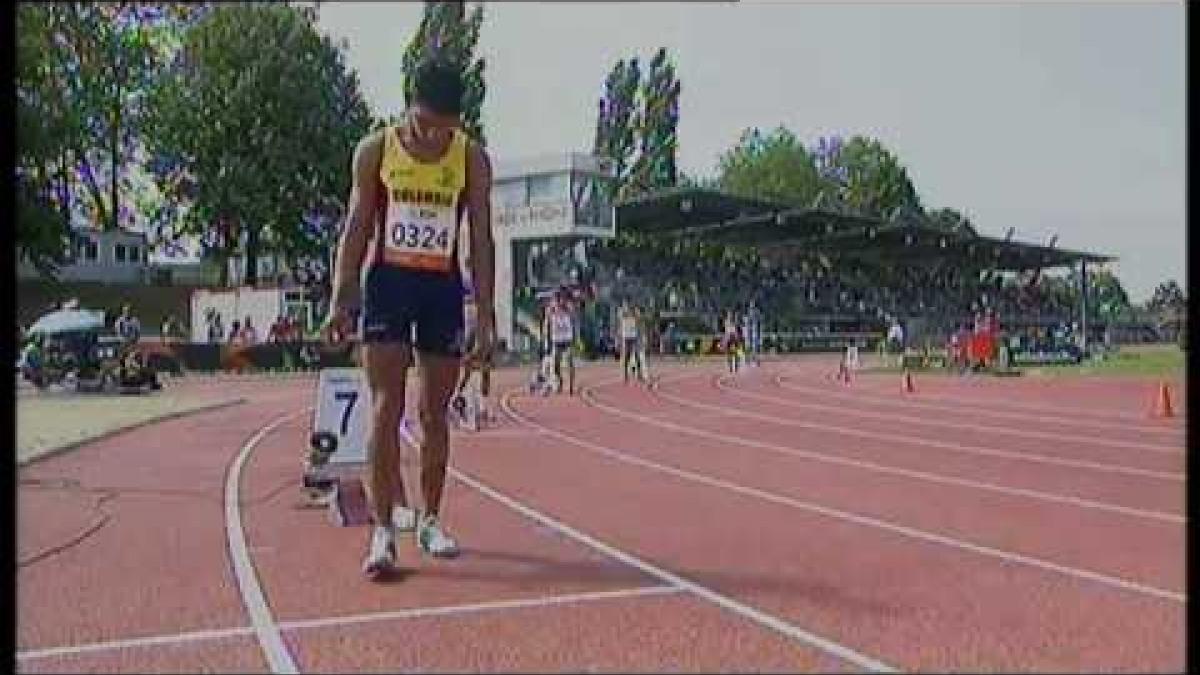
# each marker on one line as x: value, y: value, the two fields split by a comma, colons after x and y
x: 765, y: 553
x: 967, y: 407
x: 738, y: 405
x: 1057, y: 533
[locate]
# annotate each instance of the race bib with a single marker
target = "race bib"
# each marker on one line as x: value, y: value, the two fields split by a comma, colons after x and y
x: 560, y: 328
x: 420, y: 236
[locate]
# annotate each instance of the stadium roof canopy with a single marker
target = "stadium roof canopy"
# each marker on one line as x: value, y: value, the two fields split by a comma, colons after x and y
x: 720, y: 218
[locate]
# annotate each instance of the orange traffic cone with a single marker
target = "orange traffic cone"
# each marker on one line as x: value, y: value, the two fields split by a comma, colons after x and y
x: 1162, y: 402
x: 907, y: 384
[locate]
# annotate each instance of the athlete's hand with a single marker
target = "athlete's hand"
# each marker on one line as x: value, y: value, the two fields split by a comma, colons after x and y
x: 337, y: 325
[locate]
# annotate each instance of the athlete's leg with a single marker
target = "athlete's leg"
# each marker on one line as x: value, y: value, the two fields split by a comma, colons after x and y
x: 557, y: 350
x: 625, y: 360
x: 439, y: 344
x: 386, y: 365
x: 464, y: 378
x: 438, y: 373
x: 571, y: 370
x: 485, y: 380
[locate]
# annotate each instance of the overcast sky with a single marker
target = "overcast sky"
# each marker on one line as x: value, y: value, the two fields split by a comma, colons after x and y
x: 1060, y: 118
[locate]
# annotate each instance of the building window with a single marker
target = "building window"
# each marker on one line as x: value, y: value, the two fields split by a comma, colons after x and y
x: 554, y: 187
x: 119, y: 252
x: 511, y: 193
x: 134, y: 255
x: 90, y: 250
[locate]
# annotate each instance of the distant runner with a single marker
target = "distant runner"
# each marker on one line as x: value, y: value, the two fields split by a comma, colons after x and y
x: 752, y: 330
x: 731, y: 341
x: 630, y: 342
x: 559, y: 324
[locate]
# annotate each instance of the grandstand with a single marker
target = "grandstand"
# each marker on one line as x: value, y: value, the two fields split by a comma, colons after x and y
x: 821, y: 276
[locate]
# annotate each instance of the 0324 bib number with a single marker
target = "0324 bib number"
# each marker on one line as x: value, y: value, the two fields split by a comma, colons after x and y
x: 424, y: 238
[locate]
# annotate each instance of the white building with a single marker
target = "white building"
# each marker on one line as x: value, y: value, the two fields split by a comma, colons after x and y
x: 114, y: 257
x: 538, y: 204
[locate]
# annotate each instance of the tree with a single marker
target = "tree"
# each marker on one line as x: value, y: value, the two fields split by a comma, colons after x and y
x: 83, y: 72
x: 1105, y: 293
x: 42, y: 176
x: 448, y: 32
x: 617, y: 123
x: 655, y: 166
x: 256, y: 143
x: 774, y: 167
x: 870, y: 179
x: 1167, y: 296
x: 106, y: 58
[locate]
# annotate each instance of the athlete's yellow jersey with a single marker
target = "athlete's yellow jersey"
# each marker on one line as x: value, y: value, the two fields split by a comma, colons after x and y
x: 423, y: 204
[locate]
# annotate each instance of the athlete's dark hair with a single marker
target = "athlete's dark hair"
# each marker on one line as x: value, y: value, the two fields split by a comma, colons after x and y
x: 439, y: 86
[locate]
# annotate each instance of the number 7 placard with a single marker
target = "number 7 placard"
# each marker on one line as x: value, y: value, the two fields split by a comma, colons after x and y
x: 344, y: 410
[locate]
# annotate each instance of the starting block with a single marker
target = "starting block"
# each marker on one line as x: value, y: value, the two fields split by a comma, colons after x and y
x: 337, y: 454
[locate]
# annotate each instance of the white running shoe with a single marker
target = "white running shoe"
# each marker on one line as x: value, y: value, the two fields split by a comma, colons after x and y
x: 404, y: 519
x: 433, y: 540
x: 382, y: 555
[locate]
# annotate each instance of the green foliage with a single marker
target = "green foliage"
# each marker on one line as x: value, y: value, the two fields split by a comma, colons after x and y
x: 772, y: 166
x: 876, y: 184
x: 42, y: 227
x: 950, y: 220
x: 83, y: 70
x: 617, y: 123
x: 449, y: 32
x: 255, y: 142
x: 1167, y: 296
x: 1106, y: 294
x: 655, y: 166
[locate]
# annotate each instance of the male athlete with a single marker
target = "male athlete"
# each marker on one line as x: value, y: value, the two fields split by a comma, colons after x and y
x: 559, y: 325
x: 630, y: 329
x: 731, y: 341
x: 752, y: 331
x: 411, y: 184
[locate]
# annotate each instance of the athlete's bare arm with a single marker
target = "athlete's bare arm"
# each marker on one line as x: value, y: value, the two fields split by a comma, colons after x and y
x: 482, y: 259
x: 361, y: 215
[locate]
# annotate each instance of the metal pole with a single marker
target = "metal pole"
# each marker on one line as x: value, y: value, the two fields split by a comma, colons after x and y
x: 1083, y: 307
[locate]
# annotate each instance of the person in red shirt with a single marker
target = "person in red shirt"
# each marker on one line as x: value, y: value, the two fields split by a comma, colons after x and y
x: 278, y: 330
x: 992, y: 333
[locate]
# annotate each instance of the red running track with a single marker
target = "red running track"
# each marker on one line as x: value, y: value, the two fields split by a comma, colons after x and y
x: 706, y: 525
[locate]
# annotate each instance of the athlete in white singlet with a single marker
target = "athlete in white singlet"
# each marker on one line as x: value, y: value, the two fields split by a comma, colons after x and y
x: 559, y: 325
x: 631, y: 348
x: 731, y: 341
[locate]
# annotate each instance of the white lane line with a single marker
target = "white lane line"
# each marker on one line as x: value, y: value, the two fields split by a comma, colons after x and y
x: 763, y: 618
x: 952, y: 446
x: 265, y: 629
x: 930, y: 403
x: 1048, y: 408
x: 1028, y: 433
x: 413, y: 613
x: 420, y: 612
x: 157, y: 640
x: 832, y: 457
x: 787, y: 629
x: 868, y: 521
